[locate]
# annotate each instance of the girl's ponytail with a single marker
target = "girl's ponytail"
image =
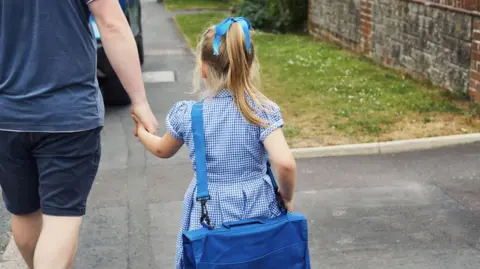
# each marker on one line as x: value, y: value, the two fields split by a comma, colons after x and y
x: 239, y: 79
x: 229, y: 53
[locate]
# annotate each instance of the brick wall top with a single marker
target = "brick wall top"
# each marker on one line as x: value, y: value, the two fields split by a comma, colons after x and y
x: 464, y: 4
x: 470, y: 7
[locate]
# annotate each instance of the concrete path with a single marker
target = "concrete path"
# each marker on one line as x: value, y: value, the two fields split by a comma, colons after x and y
x: 411, y: 211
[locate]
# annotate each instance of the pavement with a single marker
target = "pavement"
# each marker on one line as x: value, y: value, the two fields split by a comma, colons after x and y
x: 417, y: 210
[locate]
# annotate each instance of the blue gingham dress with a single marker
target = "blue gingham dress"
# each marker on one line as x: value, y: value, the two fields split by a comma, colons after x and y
x: 236, y: 164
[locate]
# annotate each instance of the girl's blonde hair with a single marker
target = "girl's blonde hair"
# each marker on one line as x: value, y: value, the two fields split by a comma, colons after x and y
x: 235, y: 69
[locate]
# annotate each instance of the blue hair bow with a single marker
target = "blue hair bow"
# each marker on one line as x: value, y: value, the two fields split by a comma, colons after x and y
x: 222, y: 29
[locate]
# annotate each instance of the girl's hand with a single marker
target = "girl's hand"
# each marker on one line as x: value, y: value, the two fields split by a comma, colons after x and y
x: 288, y: 204
x: 163, y: 147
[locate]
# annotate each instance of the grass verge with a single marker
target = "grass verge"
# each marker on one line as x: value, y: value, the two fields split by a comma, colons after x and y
x: 198, y: 4
x: 329, y: 96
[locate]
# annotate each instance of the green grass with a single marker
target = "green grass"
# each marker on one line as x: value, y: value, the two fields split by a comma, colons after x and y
x: 330, y: 96
x: 193, y: 26
x: 199, y: 4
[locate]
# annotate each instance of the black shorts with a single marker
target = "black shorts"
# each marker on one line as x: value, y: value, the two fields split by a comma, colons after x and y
x: 53, y: 172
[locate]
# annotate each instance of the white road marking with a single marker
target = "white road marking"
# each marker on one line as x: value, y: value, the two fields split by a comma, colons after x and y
x: 159, y: 77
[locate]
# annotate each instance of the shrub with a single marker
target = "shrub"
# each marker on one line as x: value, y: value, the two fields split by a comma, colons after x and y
x: 275, y: 15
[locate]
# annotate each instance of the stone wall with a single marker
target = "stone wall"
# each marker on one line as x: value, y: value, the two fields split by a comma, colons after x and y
x: 475, y: 67
x: 337, y: 21
x: 436, y: 40
x: 431, y: 42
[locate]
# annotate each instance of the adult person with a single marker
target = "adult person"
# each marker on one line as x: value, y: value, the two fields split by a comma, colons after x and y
x: 51, y: 115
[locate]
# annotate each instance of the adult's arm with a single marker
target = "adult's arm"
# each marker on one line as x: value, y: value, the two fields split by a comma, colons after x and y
x: 121, y: 50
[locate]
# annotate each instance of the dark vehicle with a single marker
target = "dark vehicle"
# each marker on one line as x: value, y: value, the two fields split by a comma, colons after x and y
x: 112, y: 89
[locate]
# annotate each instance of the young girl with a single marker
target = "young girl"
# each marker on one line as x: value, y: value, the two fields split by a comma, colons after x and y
x: 242, y: 132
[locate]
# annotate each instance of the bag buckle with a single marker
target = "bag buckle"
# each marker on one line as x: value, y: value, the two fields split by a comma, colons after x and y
x: 205, y: 218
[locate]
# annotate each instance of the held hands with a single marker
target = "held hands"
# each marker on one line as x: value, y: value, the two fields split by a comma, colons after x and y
x: 139, y: 127
x: 144, y: 118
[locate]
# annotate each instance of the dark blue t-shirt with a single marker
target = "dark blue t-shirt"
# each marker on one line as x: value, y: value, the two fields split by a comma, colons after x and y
x: 48, y: 67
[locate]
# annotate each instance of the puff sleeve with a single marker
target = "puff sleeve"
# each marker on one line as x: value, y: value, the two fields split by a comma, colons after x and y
x: 176, y: 118
x: 274, y: 121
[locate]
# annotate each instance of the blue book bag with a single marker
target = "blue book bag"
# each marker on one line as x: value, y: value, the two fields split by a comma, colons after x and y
x: 278, y: 243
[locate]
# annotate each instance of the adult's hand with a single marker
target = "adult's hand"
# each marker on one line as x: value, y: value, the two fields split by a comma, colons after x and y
x: 142, y: 111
